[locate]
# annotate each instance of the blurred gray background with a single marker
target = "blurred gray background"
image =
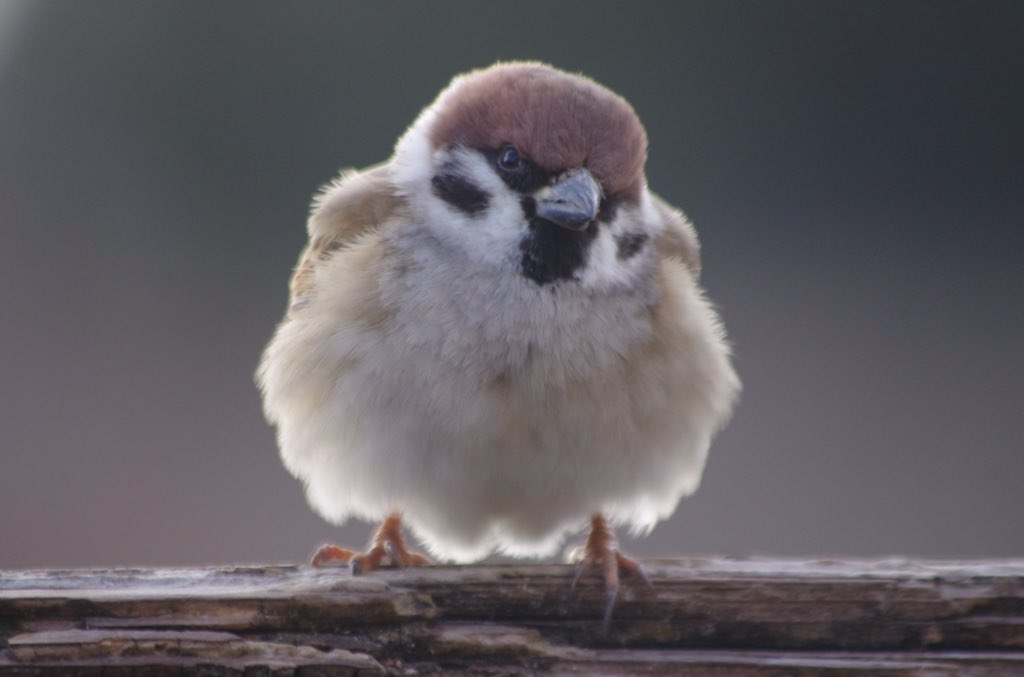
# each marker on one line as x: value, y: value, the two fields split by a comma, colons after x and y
x: 855, y: 170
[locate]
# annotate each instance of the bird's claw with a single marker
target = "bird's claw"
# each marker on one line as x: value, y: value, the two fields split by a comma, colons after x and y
x: 601, y: 549
x: 582, y: 567
x: 610, y: 595
x: 387, y: 544
x: 328, y: 553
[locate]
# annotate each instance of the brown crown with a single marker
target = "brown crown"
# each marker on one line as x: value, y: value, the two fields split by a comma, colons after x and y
x: 557, y: 119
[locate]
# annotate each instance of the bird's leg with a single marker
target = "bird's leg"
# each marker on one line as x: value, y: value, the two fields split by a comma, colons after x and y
x: 601, y: 550
x: 387, y: 544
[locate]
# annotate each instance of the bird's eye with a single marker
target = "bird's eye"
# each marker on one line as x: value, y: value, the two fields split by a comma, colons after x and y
x: 509, y: 159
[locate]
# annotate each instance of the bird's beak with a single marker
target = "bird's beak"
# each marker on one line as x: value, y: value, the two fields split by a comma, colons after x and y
x: 571, y: 202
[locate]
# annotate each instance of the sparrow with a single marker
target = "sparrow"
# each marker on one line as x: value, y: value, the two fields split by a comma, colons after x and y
x: 498, y: 335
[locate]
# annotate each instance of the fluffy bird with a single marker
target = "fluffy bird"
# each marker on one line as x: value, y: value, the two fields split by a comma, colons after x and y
x: 499, y: 334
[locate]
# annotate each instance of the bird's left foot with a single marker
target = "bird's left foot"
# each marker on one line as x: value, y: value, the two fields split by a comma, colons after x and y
x: 387, y: 544
x: 601, y: 550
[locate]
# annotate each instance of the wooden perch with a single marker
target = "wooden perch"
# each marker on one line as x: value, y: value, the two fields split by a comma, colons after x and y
x: 706, y: 616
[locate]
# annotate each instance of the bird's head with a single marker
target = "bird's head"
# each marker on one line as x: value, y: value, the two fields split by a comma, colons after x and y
x: 533, y: 170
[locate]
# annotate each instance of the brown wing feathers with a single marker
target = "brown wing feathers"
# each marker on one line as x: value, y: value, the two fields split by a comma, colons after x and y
x: 354, y: 203
x: 678, y: 238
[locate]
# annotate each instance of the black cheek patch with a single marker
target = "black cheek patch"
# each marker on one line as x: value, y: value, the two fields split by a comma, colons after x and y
x: 551, y: 252
x: 629, y: 245
x: 460, y: 193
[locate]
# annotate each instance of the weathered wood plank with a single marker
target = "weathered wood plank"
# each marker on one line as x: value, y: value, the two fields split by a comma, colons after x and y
x: 705, y: 616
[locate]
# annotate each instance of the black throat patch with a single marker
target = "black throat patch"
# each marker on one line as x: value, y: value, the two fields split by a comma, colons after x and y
x: 551, y: 252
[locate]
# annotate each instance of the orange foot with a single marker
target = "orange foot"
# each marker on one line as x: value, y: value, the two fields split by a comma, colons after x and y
x: 602, y: 550
x: 387, y: 544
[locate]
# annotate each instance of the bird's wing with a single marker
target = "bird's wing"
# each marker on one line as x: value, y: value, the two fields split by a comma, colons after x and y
x: 677, y: 238
x: 351, y: 205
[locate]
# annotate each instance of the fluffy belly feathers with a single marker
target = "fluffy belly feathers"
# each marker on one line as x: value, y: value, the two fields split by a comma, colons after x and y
x: 511, y: 441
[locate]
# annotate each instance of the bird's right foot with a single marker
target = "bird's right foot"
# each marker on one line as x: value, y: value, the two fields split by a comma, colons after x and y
x: 387, y: 546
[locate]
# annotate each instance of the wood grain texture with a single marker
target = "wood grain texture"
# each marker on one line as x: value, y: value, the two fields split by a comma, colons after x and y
x: 706, y: 616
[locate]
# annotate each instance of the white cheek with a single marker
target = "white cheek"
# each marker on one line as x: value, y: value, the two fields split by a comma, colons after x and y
x: 604, y: 267
x: 491, y: 237
x: 649, y: 215
x: 411, y: 161
x: 498, y: 230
